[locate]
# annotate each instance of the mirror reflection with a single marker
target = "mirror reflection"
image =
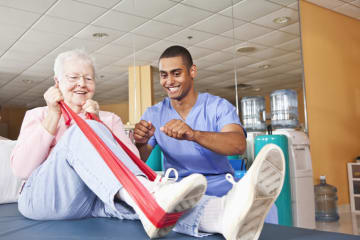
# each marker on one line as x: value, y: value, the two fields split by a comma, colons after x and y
x: 259, y: 40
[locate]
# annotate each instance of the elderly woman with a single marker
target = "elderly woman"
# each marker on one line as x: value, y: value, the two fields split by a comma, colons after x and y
x: 65, y: 177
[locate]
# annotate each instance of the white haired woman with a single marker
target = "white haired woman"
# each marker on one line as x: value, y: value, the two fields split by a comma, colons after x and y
x: 65, y: 177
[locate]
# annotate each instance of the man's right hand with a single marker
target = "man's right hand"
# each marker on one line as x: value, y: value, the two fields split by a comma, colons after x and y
x: 143, y: 132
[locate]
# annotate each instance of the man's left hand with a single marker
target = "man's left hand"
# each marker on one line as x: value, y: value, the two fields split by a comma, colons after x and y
x: 178, y: 129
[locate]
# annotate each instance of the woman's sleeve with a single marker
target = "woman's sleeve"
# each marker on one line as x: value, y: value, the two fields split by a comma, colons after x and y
x: 33, y: 145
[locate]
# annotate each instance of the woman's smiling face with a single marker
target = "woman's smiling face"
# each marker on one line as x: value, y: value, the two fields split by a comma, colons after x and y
x: 77, y: 82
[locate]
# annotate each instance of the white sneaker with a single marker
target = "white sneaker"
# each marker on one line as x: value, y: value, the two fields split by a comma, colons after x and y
x: 248, y: 202
x: 174, y: 197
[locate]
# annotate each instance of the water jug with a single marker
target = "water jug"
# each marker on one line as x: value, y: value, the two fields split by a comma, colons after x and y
x: 284, y: 109
x: 253, y: 113
x: 325, y: 202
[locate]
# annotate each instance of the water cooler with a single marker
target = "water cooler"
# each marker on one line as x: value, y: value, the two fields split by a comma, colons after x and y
x: 283, y: 202
x: 284, y: 119
x: 253, y: 117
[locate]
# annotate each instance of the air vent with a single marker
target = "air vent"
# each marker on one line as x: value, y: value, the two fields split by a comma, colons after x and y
x: 241, y: 86
x: 246, y: 49
x: 100, y: 35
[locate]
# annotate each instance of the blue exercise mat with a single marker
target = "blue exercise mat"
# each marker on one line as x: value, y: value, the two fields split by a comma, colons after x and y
x: 13, y: 226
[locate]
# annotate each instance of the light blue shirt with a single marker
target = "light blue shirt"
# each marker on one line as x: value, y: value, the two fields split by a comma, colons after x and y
x: 210, y: 113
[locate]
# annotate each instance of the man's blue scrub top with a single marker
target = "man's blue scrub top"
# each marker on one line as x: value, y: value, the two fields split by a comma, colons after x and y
x: 210, y: 113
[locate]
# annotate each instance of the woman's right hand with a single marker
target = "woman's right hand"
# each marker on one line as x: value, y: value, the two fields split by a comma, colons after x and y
x: 52, y: 97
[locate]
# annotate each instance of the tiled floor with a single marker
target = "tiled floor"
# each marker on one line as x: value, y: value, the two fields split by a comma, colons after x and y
x: 348, y: 223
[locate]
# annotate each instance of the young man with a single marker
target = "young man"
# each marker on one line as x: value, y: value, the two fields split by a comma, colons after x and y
x: 196, y: 131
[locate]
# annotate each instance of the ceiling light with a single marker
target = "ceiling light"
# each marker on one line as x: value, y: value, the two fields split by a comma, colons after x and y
x: 100, y: 35
x: 246, y: 49
x: 265, y: 66
x: 281, y: 20
x: 256, y: 89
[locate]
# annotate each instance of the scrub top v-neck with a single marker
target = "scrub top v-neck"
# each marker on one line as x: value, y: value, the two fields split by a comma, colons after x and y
x: 210, y: 113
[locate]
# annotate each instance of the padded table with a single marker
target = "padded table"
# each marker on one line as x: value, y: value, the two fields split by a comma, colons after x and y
x: 14, y: 226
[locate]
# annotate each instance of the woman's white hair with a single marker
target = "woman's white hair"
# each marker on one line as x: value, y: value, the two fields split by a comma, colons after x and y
x: 80, y: 54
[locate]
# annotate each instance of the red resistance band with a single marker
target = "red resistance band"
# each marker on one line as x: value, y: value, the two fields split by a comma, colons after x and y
x: 137, y: 191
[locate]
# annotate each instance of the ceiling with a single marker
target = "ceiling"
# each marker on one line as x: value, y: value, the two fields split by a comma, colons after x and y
x: 34, y: 32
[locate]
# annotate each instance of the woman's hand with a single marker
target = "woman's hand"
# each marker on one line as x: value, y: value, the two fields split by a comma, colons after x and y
x: 91, y: 106
x: 52, y: 97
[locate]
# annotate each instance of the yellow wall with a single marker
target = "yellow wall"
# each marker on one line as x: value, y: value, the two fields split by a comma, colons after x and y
x: 331, y: 51
x: 13, y: 118
x: 120, y: 109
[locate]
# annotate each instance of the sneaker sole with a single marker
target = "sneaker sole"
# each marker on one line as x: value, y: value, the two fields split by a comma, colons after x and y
x: 268, y: 184
x: 186, y: 199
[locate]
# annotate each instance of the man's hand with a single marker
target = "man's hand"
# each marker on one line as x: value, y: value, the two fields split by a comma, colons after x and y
x: 178, y: 129
x: 143, y: 131
x: 91, y: 106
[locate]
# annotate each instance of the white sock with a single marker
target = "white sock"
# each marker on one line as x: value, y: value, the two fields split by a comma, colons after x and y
x: 125, y: 196
x: 211, y: 220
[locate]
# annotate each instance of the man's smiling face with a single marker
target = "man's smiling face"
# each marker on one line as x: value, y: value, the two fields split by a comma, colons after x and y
x: 175, y: 77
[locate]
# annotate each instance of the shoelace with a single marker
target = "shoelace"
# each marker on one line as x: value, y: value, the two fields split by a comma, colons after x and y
x: 167, y: 175
x: 166, y: 179
x: 230, y: 178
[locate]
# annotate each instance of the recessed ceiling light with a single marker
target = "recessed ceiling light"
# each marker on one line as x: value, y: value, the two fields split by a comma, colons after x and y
x: 256, y: 89
x: 100, y: 35
x: 27, y: 81
x: 281, y: 20
x: 265, y: 66
x: 246, y: 49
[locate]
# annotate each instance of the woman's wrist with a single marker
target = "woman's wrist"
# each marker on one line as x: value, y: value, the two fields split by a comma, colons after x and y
x: 51, y: 121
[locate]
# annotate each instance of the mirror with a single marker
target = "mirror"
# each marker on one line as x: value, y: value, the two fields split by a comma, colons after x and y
x: 259, y: 39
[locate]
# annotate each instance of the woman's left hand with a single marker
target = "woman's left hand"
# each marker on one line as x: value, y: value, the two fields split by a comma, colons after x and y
x: 91, y: 106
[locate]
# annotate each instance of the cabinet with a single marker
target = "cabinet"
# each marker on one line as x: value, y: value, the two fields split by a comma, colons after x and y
x: 354, y: 186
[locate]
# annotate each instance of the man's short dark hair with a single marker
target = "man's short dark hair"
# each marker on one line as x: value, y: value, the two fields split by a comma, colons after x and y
x: 176, y: 51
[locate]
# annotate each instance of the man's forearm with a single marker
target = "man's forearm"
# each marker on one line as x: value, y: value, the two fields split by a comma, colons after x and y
x: 225, y: 143
x: 144, y: 150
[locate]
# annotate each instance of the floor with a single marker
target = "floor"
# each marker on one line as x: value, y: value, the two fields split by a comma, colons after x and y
x: 348, y: 223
